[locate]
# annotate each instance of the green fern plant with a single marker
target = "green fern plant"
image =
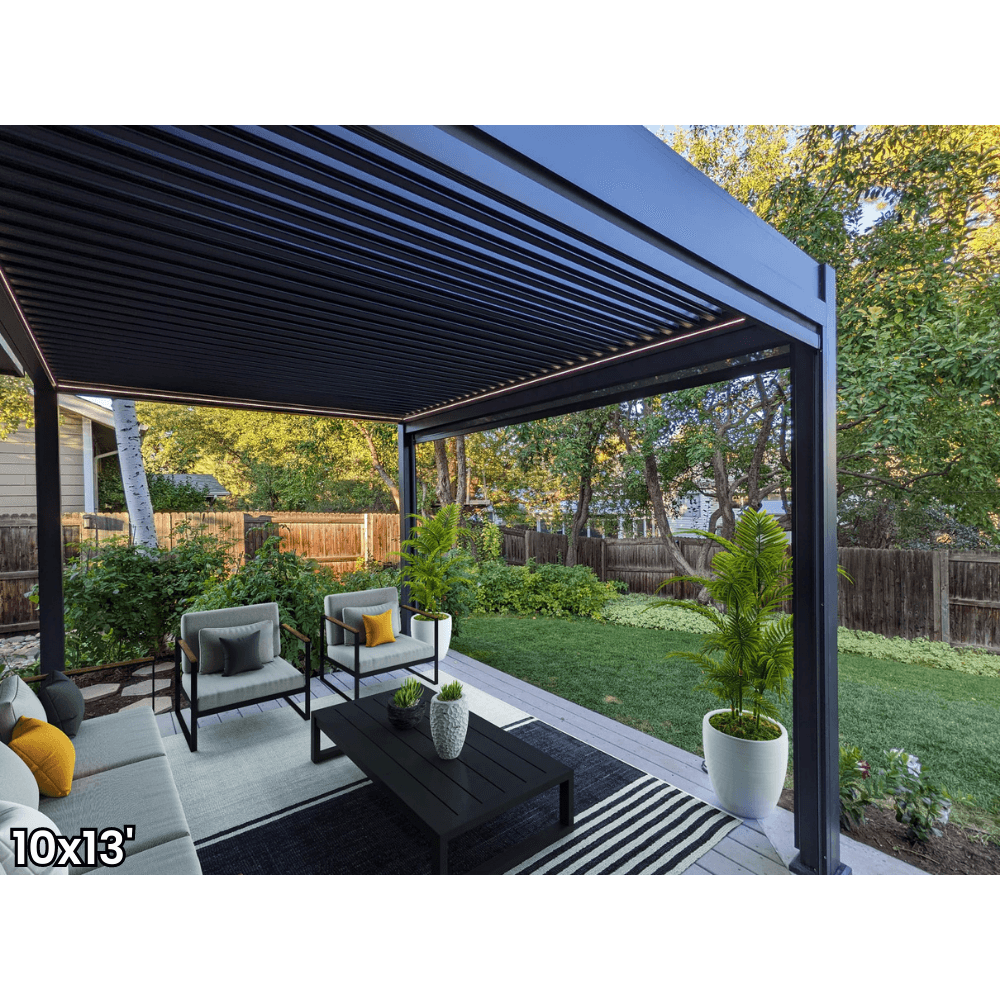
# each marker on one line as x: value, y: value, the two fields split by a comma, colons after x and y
x: 746, y: 660
x: 436, y: 569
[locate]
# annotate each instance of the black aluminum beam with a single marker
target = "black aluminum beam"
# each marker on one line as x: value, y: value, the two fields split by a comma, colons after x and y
x: 407, y: 499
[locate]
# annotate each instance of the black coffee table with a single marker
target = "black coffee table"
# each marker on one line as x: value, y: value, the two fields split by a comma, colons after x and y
x: 494, y: 772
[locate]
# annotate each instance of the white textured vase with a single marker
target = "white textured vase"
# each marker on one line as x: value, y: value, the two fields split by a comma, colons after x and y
x: 747, y: 775
x: 449, y: 724
x: 423, y: 631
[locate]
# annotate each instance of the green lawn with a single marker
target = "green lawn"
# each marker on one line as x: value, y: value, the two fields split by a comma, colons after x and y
x: 950, y: 720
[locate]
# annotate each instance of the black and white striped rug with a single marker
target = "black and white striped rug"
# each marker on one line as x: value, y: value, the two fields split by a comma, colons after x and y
x: 627, y: 822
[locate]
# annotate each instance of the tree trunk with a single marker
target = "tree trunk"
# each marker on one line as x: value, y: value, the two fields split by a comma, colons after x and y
x: 579, y: 521
x: 390, y: 483
x: 443, y: 473
x: 140, y: 509
x: 461, y: 472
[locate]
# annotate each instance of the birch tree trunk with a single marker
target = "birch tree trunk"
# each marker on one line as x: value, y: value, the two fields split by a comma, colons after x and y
x: 140, y: 509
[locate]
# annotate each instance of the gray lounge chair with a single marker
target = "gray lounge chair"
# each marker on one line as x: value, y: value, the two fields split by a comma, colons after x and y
x: 360, y: 660
x: 200, y: 659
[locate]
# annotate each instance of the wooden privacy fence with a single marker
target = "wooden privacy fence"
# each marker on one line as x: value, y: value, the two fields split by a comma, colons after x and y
x: 939, y: 595
x: 335, y: 541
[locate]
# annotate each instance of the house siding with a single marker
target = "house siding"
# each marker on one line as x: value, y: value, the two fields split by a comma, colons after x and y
x: 17, y: 468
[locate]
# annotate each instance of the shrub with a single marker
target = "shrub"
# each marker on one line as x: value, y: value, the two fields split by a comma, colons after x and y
x: 855, y: 789
x: 550, y: 589
x: 644, y: 612
x: 164, y: 493
x: 297, y: 585
x: 121, y: 601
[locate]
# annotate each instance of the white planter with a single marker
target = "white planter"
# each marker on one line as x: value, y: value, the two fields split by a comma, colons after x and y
x: 747, y: 775
x: 449, y: 724
x: 424, y: 632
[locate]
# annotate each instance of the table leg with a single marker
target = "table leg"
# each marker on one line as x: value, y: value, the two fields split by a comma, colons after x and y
x: 566, y: 802
x: 318, y: 756
x: 439, y: 856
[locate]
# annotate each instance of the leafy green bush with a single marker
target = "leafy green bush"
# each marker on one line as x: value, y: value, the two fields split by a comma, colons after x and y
x: 920, y: 651
x: 371, y: 575
x: 297, y: 585
x: 855, y: 789
x: 121, y: 601
x: 643, y: 612
x: 547, y: 589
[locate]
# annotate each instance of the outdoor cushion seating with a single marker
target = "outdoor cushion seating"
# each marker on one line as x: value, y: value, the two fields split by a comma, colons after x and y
x: 121, y: 778
x: 357, y: 658
x: 215, y: 681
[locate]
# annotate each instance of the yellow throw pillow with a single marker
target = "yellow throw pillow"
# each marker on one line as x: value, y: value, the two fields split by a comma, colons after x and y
x: 48, y: 751
x: 378, y: 628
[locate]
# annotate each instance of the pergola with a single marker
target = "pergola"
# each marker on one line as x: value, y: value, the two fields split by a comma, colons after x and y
x: 446, y: 279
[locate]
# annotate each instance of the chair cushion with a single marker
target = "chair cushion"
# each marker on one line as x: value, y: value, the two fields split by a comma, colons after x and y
x: 49, y: 752
x: 63, y: 703
x: 212, y: 659
x: 275, y: 678
x: 378, y: 628
x: 17, y: 699
x: 17, y: 783
x: 116, y: 740
x: 241, y: 653
x: 403, y: 652
x: 355, y: 618
x: 194, y: 621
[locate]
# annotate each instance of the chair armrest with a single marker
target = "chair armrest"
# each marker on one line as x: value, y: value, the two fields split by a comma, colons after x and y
x: 295, y: 632
x: 337, y: 621
x: 188, y: 652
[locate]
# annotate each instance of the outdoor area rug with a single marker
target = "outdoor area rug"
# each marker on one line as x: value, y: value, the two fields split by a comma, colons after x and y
x: 257, y: 805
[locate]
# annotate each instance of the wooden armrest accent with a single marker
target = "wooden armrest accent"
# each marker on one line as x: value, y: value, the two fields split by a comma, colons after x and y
x: 188, y: 652
x: 295, y: 632
x: 337, y: 621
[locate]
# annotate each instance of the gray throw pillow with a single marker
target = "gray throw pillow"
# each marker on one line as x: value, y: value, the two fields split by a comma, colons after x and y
x: 241, y: 653
x: 63, y: 703
x: 210, y: 656
x: 352, y: 617
x: 17, y: 699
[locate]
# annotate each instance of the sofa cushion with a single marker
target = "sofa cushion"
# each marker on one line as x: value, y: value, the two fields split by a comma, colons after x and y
x: 211, y: 655
x: 49, y: 752
x: 141, y: 795
x: 16, y: 815
x: 63, y: 703
x: 17, y: 783
x: 17, y: 699
x: 115, y: 740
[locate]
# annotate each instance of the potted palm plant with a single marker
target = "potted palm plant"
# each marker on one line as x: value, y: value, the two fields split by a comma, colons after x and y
x: 747, y: 662
x: 437, y: 572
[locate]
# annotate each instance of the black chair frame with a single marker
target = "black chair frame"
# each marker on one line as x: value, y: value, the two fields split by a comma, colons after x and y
x: 356, y: 672
x: 191, y: 735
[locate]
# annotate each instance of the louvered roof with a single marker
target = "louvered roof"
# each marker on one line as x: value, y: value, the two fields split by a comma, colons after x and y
x: 383, y: 272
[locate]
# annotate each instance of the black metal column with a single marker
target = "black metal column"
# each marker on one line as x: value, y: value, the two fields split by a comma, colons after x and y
x: 407, y: 495
x: 814, y: 550
x: 48, y: 501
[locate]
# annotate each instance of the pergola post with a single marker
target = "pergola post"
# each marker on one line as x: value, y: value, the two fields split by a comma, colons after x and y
x: 407, y: 497
x: 48, y: 500
x: 816, y: 754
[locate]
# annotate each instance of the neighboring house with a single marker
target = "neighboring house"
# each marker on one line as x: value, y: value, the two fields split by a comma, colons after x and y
x: 205, y: 483
x: 86, y: 435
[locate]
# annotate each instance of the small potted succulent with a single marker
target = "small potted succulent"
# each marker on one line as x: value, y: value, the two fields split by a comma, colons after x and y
x: 406, y: 709
x: 449, y: 720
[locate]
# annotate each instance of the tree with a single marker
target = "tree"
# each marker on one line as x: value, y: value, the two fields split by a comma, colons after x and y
x: 277, y: 461
x: 917, y: 292
x: 140, y: 510
x: 574, y: 449
x: 15, y: 404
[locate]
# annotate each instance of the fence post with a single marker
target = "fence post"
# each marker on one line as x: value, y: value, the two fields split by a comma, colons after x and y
x: 940, y: 597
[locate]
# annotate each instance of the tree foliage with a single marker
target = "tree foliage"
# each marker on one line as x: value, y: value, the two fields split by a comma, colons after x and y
x: 917, y: 291
x: 15, y: 404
